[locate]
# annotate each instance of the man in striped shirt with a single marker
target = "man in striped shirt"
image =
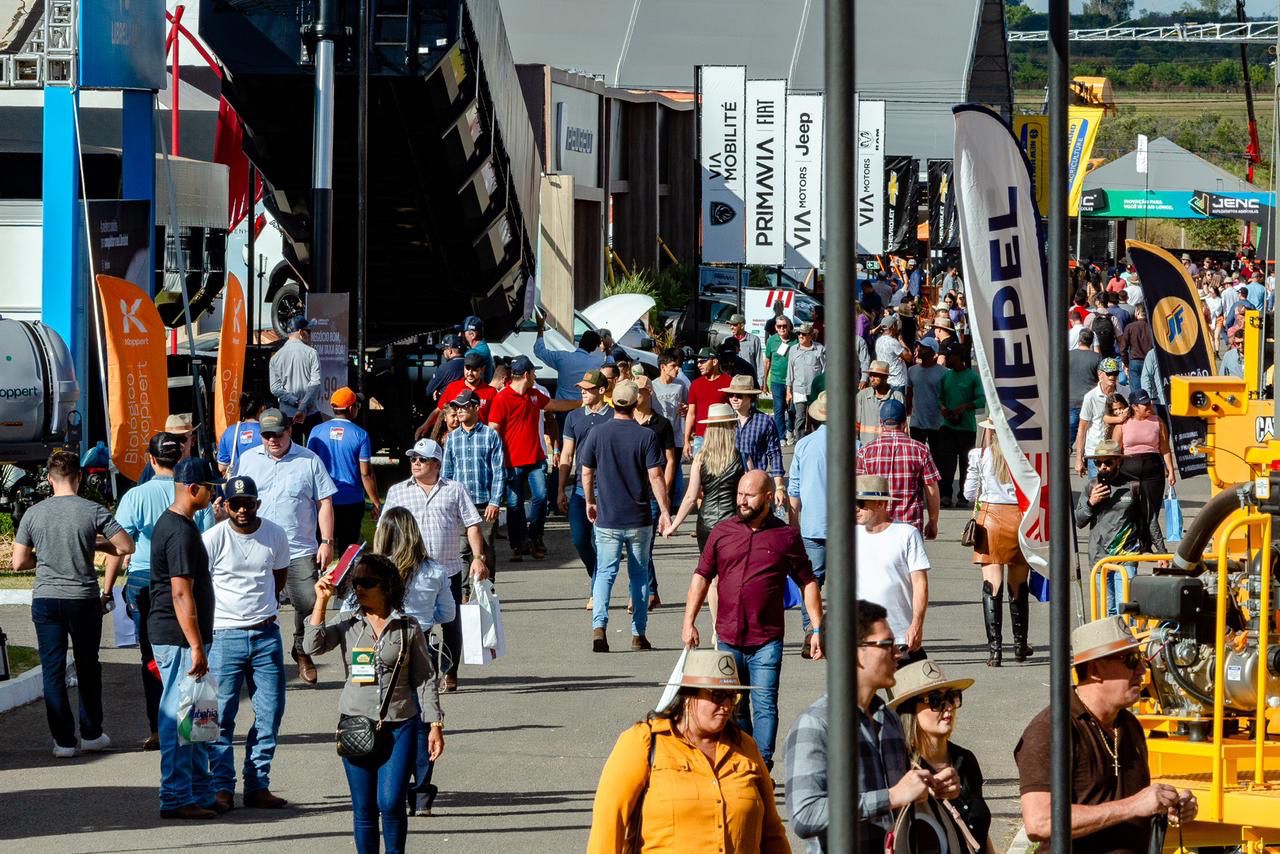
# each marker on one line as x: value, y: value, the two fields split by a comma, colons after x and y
x: 473, y: 455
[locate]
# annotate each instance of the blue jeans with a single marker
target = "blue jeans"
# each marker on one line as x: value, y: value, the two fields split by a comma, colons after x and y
x: 81, y: 620
x: 255, y: 656
x: 137, y: 602
x: 420, y: 794
x: 758, y: 714
x: 817, y: 552
x: 653, y: 537
x: 610, y: 543
x: 184, y: 768
x: 1073, y: 425
x: 1111, y: 591
x: 519, y: 528
x: 781, y: 412
x: 697, y: 446
x: 581, y: 531
x: 378, y: 784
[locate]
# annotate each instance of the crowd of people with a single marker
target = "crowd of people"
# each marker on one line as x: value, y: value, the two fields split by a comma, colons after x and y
x: 626, y: 451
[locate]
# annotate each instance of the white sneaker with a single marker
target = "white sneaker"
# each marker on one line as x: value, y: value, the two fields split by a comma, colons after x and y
x: 96, y: 745
x: 60, y: 752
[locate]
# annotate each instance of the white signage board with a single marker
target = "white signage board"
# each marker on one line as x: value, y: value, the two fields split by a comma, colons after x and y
x: 766, y: 112
x: 722, y: 116
x: 869, y: 179
x: 803, y: 205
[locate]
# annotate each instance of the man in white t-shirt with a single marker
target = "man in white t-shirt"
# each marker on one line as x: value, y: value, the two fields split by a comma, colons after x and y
x: 249, y: 565
x: 893, y: 569
x: 891, y: 350
x: 1093, y: 409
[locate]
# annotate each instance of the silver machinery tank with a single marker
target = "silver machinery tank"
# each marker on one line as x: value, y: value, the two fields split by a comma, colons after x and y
x: 38, y: 391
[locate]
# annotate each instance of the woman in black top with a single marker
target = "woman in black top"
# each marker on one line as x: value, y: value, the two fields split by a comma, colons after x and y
x: 927, y: 703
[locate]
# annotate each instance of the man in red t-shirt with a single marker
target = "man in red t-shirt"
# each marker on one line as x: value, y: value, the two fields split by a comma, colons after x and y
x: 706, y: 390
x: 516, y: 415
x: 472, y: 380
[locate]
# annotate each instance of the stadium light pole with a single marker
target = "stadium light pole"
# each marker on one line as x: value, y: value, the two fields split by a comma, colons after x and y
x: 1059, y: 483
x: 842, y: 592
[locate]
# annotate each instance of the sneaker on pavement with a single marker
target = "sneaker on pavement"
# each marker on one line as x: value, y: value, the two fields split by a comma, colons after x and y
x: 151, y: 742
x: 537, y: 550
x: 60, y: 752
x: 599, y: 643
x: 95, y: 745
x: 640, y: 642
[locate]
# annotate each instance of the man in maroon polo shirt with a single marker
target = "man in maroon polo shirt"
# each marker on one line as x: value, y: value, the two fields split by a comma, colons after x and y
x: 515, y: 415
x: 752, y: 554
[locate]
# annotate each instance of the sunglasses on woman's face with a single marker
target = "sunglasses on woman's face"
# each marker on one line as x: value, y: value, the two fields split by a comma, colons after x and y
x: 720, y: 698
x: 939, y: 700
x: 366, y: 582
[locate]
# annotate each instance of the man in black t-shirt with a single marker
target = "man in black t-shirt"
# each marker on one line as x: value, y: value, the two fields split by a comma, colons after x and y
x: 647, y: 416
x: 180, y: 626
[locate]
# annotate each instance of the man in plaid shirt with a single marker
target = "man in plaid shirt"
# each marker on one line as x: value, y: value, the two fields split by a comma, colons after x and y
x: 473, y: 455
x: 885, y: 783
x: 758, y: 441
x: 909, y: 468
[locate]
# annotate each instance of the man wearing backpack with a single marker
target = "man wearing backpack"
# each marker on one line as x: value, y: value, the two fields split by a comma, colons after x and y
x: 1105, y: 328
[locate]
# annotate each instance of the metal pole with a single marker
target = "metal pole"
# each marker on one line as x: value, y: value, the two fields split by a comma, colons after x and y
x: 695, y: 303
x: 251, y: 260
x: 1059, y: 485
x: 326, y: 31
x: 362, y: 192
x: 842, y: 589
x: 1273, y: 222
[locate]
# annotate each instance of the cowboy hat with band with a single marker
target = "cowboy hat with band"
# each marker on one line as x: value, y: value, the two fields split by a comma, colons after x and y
x: 701, y: 669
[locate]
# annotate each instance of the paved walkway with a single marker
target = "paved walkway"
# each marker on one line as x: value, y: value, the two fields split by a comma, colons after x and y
x: 526, y: 738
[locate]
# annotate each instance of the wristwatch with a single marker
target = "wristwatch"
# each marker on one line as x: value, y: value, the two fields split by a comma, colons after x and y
x: 438, y: 725
x: 325, y: 541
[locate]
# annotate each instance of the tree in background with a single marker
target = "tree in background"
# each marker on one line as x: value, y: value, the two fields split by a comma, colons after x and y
x: 1167, y: 75
x: 1114, y: 11
x: 1140, y: 76
x: 1225, y: 74
x: 1016, y: 13
x: 1206, y: 9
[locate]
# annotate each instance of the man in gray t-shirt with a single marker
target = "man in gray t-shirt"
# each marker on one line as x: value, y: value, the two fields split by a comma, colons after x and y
x: 57, y: 538
x: 1082, y: 375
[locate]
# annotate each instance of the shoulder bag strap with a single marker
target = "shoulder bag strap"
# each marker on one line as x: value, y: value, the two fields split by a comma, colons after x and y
x: 633, y: 839
x: 395, y: 672
x: 235, y: 447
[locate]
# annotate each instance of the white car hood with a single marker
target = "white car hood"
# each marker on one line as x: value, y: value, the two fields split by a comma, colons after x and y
x: 618, y: 313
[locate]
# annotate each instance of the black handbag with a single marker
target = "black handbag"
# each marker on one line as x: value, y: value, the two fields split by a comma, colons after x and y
x: 357, y: 735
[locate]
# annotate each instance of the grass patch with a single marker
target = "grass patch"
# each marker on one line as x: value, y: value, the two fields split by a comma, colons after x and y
x: 22, y: 659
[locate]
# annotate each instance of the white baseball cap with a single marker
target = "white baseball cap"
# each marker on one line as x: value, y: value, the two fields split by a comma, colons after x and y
x: 428, y: 449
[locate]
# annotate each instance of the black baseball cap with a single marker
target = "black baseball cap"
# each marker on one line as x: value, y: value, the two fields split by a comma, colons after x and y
x: 466, y: 397
x: 195, y: 470
x: 453, y: 342
x: 521, y: 365
x: 474, y: 360
x: 240, y: 487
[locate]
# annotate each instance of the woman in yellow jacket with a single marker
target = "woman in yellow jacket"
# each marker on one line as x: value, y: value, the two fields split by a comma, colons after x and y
x: 687, y: 779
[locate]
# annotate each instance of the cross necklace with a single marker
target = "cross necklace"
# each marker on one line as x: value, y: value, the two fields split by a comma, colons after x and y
x: 1113, y: 749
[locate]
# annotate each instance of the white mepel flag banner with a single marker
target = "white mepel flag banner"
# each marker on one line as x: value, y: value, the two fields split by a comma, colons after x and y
x: 1004, y: 270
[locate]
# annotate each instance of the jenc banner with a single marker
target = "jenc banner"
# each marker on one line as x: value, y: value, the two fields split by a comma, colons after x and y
x: 902, y: 200
x: 1004, y: 272
x: 137, y: 373
x: 231, y: 347
x: 721, y: 113
x: 766, y: 117
x: 803, y: 208
x: 1181, y: 337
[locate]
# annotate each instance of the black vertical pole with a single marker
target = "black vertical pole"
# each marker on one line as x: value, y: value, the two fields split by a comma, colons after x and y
x: 1059, y: 485
x: 842, y: 587
x: 362, y: 193
x: 695, y: 303
x: 251, y: 240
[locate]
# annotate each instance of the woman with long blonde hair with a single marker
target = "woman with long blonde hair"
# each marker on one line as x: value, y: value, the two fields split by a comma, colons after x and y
x: 996, y: 546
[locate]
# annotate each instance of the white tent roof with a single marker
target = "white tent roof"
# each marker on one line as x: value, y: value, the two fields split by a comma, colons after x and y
x: 1169, y: 167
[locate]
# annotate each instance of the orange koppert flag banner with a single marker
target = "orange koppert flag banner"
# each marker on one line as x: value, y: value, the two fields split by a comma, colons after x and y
x: 137, y: 373
x: 231, y: 345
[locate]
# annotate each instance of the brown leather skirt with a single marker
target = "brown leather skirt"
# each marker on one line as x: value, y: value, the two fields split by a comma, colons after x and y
x: 997, y: 539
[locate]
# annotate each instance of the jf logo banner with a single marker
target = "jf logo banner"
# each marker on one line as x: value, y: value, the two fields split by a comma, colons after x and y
x: 721, y: 120
x: 1004, y: 271
x: 137, y: 373
x: 231, y: 347
x: 1182, y: 340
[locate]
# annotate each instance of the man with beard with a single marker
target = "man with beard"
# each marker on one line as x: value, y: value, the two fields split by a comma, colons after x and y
x: 752, y: 554
x: 1114, y: 510
x: 1112, y: 797
x: 249, y: 563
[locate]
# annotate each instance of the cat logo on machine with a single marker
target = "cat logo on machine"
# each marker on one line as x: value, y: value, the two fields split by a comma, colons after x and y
x: 1176, y: 326
x: 1264, y: 428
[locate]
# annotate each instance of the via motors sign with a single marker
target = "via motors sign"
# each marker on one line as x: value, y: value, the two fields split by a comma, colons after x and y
x: 721, y: 120
x: 869, y: 178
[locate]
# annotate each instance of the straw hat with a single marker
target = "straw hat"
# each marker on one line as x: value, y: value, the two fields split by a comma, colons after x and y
x: 818, y: 409
x: 944, y: 323
x: 1106, y: 448
x: 701, y: 668
x: 878, y: 367
x: 179, y: 424
x: 1098, y: 639
x: 720, y: 413
x: 741, y: 384
x: 921, y: 678
x: 986, y: 424
x: 872, y: 487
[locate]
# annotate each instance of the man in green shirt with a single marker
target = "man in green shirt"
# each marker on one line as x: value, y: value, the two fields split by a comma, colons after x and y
x: 959, y: 396
x: 777, y: 350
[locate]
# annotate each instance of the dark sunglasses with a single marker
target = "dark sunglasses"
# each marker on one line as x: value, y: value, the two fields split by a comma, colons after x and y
x: 720, y: 697
x: 366, y: 582
x: 702, y: 359
x: 939, y: 700
x: 1132, y: 659
x: 886, y: 644
x: 269, y: 436
x: 738, y: 396
x: 242, y: 503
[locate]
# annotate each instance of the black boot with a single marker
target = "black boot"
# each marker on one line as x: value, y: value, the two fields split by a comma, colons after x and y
x: 993, y: 613
x: 1018, y: 613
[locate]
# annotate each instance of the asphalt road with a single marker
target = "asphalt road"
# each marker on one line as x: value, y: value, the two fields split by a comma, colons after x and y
x: 526, y: 737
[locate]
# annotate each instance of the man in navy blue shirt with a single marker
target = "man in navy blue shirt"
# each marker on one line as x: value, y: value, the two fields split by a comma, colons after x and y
x: 570, y: 498
x: 450, y: 368
x: 344, y: 449
x: 622, y: 466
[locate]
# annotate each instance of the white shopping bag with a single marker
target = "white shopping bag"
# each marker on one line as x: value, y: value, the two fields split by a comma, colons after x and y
x: 126, y: 632
x: 483, y: 639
